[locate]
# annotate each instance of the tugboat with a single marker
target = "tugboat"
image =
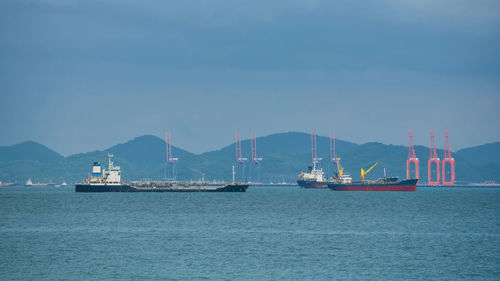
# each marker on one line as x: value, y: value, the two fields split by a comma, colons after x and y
x: 102, y: 180
x: 344, y: 182
x: 313, y: 178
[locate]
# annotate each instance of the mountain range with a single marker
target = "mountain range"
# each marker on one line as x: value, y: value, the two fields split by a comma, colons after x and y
x: 284, y: 155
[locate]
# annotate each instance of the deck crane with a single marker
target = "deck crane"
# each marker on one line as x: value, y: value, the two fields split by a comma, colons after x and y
x: 339, y: 168
x: 363, y: 173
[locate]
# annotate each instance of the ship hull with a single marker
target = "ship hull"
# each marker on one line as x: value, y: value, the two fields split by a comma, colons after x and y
x: 103, y: 188
x: 311, y: 184
x: 405, y: 185
x: 129, y: 188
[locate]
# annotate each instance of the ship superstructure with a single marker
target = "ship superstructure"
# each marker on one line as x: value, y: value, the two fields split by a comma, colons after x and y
x: 313, y: 178
x: 341, y: 177
x: 101, y: 176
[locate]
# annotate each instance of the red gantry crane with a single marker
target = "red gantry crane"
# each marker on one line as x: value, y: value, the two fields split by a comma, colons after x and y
x: 412, y: 158
x: 448, y: 160
x: 433, y: 160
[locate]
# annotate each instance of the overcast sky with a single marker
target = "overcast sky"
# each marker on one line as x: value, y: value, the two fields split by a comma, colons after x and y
x: 84, y: 75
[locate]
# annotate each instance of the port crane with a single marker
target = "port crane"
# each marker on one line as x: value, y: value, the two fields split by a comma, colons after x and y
x: 363, y: 172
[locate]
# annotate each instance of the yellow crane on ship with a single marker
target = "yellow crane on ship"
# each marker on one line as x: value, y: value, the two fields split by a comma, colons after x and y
x: 363, y: 172
x: 339, y: 168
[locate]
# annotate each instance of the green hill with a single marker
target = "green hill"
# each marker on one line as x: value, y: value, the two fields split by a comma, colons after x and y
x: 482, y: 155
x: 29, y: 151
x: 284, y: 156
x: 28, y: 159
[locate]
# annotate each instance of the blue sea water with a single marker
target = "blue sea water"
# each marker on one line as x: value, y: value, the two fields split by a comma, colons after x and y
x: 267, y: 233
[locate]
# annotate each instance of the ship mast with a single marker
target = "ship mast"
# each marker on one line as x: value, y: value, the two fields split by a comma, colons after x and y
x: 110, y: 163
x: 234, y: 173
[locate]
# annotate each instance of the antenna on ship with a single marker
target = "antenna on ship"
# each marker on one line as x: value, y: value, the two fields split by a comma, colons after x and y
x: 234, y: 173
x: 333, y: 155
x: 110, y: 163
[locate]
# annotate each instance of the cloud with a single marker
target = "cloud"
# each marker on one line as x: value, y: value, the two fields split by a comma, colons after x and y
x: 291, y: 62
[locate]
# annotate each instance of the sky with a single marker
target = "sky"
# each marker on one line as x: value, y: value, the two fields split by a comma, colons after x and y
x: 79, y: 76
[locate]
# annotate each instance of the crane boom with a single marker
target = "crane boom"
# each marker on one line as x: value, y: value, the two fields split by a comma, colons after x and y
x: 339, y: 168
x: 363, y: 172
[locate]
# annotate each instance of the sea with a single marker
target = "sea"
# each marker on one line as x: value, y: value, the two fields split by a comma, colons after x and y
x: 267, y: 233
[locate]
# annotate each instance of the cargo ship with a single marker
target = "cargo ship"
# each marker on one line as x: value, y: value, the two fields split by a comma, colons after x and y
x: 383, y: 184
x: 313, y: 178
x: 344, y: 182
x: 102, y: 180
